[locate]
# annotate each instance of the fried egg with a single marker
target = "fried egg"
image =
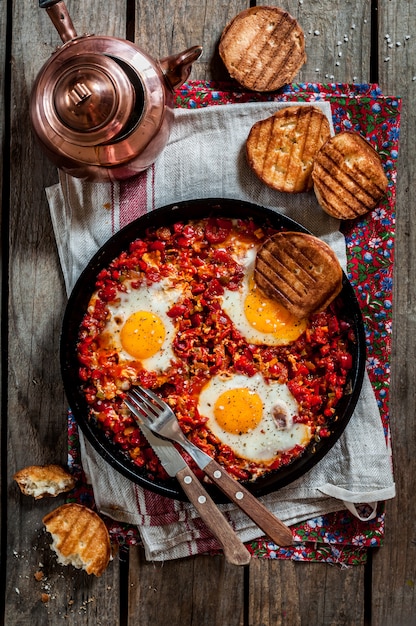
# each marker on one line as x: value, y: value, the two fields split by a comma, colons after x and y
x: 139, y: 328
x: 259, y: 319
x: 254, y: 418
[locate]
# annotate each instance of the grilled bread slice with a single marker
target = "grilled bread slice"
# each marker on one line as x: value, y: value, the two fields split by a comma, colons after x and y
x: 281, y: 148
x: 42, y: 481
x: 348, y: 176
x: 299, y: 271
x: 80, y: 538
x: 263, y: 48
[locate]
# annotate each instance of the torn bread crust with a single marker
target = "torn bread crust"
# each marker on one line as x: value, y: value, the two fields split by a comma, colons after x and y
x: 42, y: 481
x: 80, y: 538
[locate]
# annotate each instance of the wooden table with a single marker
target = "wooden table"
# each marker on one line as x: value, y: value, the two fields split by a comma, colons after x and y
x: 347, y: 41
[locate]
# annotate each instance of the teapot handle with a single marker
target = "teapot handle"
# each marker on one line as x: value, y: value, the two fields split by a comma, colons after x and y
x: 59, y: 15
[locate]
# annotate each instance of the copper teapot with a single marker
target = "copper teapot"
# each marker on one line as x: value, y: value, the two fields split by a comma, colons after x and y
x: 101, y: 107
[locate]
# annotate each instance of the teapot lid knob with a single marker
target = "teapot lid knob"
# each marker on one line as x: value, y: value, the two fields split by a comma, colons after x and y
x: 92, y: 100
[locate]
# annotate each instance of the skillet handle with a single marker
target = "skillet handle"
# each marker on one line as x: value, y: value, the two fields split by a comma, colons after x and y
x: 234, y: 550
x: 274, y: 528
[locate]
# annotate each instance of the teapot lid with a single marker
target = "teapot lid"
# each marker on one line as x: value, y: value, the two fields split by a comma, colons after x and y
x: 89, y: 99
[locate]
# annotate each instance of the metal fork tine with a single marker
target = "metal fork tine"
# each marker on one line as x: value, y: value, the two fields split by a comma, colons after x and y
x: 133, y: 407
x: 145, y: 405
x: 150, y: 394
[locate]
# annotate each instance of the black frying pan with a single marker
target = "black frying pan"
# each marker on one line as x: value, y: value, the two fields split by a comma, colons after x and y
x: 76, y: 308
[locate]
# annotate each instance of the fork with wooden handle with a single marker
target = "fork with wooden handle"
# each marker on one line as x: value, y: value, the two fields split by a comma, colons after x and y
x: 234, y: 550
x: 162, y: 421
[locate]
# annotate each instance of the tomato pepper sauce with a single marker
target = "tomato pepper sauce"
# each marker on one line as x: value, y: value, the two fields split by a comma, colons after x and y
x: 196, y: 255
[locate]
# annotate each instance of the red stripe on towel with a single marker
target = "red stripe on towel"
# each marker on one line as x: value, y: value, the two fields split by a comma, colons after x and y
x: 133, y: 199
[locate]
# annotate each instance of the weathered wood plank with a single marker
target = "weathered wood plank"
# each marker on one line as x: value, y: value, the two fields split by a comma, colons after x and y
x: 205, y: 590
x: 283, y: 592
x: 337, y: 39
x: 3, y: 24
x: 394, y: 566
x: 178, y: 28
x: 36, y: 404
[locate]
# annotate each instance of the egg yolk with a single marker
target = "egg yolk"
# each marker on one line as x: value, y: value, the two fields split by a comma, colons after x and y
x: 238, y: 411
x: 268, y: 316
x: 142, y: 334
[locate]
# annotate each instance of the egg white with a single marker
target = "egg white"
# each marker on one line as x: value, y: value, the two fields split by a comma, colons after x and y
x: 233, y: 303
x: 273, y: 434
x: 156, y: 298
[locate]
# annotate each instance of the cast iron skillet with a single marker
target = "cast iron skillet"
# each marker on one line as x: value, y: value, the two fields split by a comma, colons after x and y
x: 76, y: 308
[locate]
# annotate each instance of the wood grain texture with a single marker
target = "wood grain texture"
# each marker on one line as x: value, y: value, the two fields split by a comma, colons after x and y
x: 3, y: 390
x: 234, y: 550
x: 394, y: 566
x: 36, y: 405
x: 337, y: 36
x: 178, y: 27
x: 252, y: 506
x: 204, y: 590
x: 299, y: 594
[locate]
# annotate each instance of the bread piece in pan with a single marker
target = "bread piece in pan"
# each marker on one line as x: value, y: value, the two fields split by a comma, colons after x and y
x: 299, y: 271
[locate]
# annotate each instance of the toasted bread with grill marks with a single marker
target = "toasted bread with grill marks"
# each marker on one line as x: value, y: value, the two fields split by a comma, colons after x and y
x: 263, y: 48
x: 299, y: 271
x: 281, y: 148
x: 80, y: 538
x: 348, y: 176
x: 42, y: 481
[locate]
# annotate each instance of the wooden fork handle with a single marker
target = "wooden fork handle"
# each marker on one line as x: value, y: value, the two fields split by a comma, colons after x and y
x: 274, y: 528
x: 234, y: 550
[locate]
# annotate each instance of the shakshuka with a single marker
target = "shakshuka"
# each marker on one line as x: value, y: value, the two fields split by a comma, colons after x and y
x: 179, y: 312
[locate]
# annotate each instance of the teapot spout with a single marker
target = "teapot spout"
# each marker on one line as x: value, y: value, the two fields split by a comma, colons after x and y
x: 176, y: 68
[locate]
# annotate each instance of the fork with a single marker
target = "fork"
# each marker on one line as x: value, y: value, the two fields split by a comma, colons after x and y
x: 160, y: 418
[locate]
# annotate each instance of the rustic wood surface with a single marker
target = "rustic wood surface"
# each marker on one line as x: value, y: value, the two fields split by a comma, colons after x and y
x: 347, y: 41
